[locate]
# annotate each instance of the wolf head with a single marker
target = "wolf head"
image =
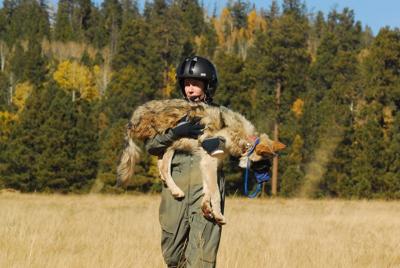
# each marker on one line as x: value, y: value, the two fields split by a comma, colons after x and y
x: 266, y: 148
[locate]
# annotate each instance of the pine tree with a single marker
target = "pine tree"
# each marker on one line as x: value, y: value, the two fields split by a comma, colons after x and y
x: 63, y: 30
x: 166, y: 28
x: 130, y: 10
x: 375, y: 144
x: 96, y: 32
x: 207, y: 43
x: 317, y: 30
x: 129, y: 88
x: 112, y: 14
x: 82, y: 17
x: 54, y: 146
x: 239, y: 10
x: 335, y: 77
x: 85, y: 59
x: 17, y: 65
x: 133, y: 48
x: 192, y: 16
x: 276, y: 69
x: 273, y: 12
x: 111, y: 145
x: 366, y: 151
x: 3, y: 24
x: 27, y: 18
x: 26, y: 143
x: 231, y: 93
x: 4, y: 98
x: 35, y: 67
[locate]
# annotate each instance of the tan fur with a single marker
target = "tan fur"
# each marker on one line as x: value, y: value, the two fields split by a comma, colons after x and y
x: 156, y: 117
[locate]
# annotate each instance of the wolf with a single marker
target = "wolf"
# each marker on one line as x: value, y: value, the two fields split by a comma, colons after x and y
x: 157, y: 116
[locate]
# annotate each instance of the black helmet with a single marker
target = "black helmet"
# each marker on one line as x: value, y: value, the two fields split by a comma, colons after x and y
x: 198, y: 68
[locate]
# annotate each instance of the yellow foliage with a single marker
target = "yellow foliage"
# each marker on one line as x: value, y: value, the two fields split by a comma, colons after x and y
x: 253, y: 97
x: 218, y: 30
x: 226, y: 21
x: 363, y: 55
x: 295, y: 156
x: 254, y: 23
x: 223, y: 26
x: 242, y: 34
x: 169, y: 81
x: 6, y: 121
x: 230, y: 37
x: 388, y: 120
x: 72, y: 76
x: 103, y: 122
x: 198, y: 40
x: 297, y: 107
x: 388, y: 115
x: 102, y: 75
x: 96, y: 70
x: 22, y: 92
x: 153, y: 168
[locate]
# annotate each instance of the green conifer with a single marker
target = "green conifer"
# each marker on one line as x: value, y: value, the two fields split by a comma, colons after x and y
x: 63, y: 30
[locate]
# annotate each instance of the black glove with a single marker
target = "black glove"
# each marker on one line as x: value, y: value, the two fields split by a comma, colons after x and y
x: 213, y: 144
x: 261, y: 166
x: 190, y: 129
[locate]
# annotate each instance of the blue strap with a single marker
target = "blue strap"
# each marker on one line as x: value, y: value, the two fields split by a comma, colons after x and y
x: 261, y: 177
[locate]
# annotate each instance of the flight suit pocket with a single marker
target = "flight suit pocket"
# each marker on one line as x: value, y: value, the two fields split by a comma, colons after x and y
x: 206, y: 236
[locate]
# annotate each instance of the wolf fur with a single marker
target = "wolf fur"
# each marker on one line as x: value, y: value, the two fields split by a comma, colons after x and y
x: 156, y: 117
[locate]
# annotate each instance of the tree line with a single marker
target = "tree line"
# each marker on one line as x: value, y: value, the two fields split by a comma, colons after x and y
x: 70, y: 80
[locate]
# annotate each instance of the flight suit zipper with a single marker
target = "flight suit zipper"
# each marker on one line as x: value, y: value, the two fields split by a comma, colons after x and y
x: 189, y: 183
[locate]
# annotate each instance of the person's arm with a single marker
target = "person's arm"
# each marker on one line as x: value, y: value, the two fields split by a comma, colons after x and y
x: 158, y: 144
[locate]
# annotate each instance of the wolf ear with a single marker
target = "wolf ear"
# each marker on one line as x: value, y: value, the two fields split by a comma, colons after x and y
x: 269, y: 147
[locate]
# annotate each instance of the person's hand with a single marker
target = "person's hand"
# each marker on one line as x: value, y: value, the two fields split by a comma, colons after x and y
x: 189, y: 129
x: 215, y: 145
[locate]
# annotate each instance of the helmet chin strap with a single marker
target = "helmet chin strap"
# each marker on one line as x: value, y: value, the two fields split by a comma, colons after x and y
x: 206, y: 100
x: 194, y: 98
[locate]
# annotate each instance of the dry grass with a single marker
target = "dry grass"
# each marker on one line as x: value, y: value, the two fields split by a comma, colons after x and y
x: 123, y: 231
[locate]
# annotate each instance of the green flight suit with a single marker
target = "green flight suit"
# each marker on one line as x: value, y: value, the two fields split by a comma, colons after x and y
x: 188, y: 239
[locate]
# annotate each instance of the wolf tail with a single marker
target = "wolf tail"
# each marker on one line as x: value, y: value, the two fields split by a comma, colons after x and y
x: 126, y: 168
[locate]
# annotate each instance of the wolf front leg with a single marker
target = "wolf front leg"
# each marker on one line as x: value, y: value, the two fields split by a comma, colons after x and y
x: 209, y: 171
x: 164, y: 167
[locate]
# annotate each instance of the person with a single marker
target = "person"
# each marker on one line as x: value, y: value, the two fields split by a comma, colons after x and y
x: 189, y: 238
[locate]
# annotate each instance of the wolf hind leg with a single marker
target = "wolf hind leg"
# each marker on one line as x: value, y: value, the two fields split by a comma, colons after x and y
x: 209, y: 168
x: 164, y: 167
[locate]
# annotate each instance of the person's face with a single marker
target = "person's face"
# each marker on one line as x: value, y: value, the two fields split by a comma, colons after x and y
x: 194, y: 89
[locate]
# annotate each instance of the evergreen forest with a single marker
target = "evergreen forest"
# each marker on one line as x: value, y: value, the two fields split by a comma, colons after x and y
x: 71, y: 76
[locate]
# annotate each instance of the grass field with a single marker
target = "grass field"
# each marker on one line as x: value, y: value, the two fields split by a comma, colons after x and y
x: 123, y: 231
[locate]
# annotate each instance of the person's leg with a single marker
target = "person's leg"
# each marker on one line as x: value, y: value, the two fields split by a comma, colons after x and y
x: 204, y: 238
x: 174, y: 229
x: 204, y: 235
x: 174, y: 216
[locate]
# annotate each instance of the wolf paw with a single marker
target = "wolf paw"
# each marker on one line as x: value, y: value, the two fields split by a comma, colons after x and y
x: 178, y: 193
x: 206, y: 207
x: 219, y: 218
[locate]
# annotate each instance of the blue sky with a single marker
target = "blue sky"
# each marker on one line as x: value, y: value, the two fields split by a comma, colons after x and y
x: 373, y: 13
